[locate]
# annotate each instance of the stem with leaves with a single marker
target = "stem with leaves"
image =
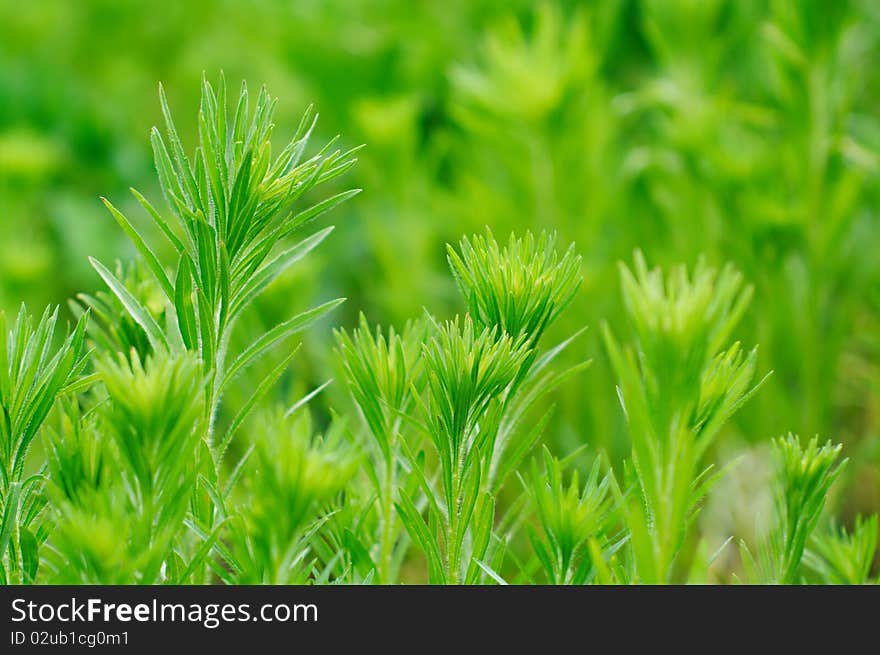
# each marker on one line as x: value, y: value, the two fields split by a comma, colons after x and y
x: 33, y: 374
x: 383, y: 375
x: 232, y: 210
x: 232, y: 205
x: 678, y: 385
x: 802, y: 478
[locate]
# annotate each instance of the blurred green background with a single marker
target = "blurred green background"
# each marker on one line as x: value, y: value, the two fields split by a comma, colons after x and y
x: 743, y: 131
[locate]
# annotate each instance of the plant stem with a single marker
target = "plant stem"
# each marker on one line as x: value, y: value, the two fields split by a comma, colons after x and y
x: 385, y: 548
x: 452, y: 554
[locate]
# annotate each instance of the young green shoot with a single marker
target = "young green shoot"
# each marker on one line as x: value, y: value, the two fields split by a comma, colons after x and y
x: 678, y: 383
x: 33, y: 374
x: 803, y: 475
x: 232, y: 208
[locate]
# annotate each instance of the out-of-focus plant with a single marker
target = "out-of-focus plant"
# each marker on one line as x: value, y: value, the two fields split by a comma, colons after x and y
x: 841, y: 557
x: 77, y: 456
x: 678, y: 384
x: 802, y: 478
x: 131, y: 475
x: 292, y: 474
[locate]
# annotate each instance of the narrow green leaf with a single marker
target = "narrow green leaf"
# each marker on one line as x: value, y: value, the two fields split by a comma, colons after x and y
x: 271, y: 270
x: 206, y: 328
x: 277, y: 334
x: 418, y: 532
x: 137, y: 311
x: 160, y: 222
x: 208, y: 261
x: 80, y: 384
x: 300, y: 219
x: 142, y: 247
x: 30, y: 556
x: 184, y: 171
x: 488, y: 570
x: 183, y: 304
x: 255, y: 398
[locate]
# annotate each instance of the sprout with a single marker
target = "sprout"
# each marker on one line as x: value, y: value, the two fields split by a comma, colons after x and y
x: 841, y: 557
x: 678, y: 384
x: 33, y: 373
x: 802, y: 478
x: 518, y: 289
x: 570, y: 516
x: 292, y: 473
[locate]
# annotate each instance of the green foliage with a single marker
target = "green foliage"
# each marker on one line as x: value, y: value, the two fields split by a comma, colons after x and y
x: 519, y: 291
x: 100, y: 544
x: 520, y: 288
x: 470, y: 386
x: 132, y: 475
x: 110, y: 327
x: 33, y: 374
x: 738, y: 130
x: 292, y: 473
x: 467, y: 374
x: 532, y: 71
x: 77, y: 456
x: 677, y: 386
x: 144, y: 463
x: 519, y: 298
x: 383, y: 374
x: 232, y: 204
x: 841, y: 557
x: 803, y: 476
x: 153, y: 419
x: 573, y: 518
x: 467, y: 370
x: 171, y: 461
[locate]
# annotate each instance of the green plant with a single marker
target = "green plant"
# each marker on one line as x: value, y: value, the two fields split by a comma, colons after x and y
x: 468, y: 372
x: 384, y: 375
x: 743, y: 131
x: 518, y: 290
x: 677, y: 387
x: 576, y: 521
x: 33, y: 374
x: 232, y: 205
x: 803, y: 476
x: 180, y: 458
x: 232, y: 209
x: 470, y: 389
x: 841, y: 557
x: 292, y: 473
x: 140, y: 486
